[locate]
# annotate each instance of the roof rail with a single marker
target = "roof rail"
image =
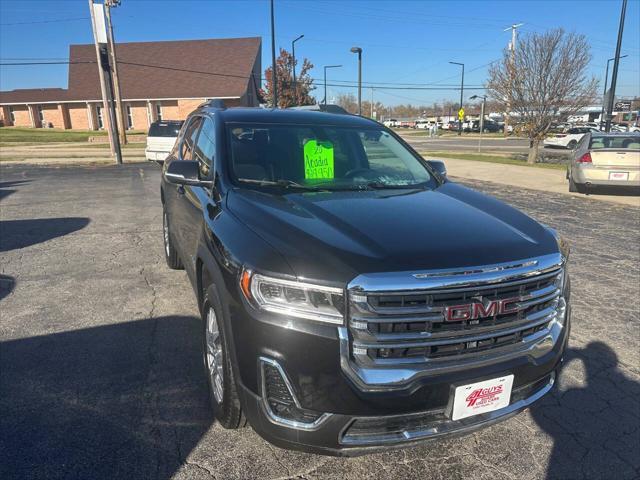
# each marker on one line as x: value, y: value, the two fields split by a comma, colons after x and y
x: 321, y: 107
x: 214, y: 103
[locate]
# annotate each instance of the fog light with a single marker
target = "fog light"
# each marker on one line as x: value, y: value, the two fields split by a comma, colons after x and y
x: 279, y: 401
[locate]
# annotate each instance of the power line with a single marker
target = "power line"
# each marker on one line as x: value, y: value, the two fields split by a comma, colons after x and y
x: 59, y: 20
x: 245, y: 77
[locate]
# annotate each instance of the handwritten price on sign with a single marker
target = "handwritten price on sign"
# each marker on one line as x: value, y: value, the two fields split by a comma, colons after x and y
x: 318, y: 160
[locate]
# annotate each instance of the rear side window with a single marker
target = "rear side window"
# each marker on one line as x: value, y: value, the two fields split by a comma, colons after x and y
x: 164, y: 129
x: 189, y: 139
x: 631, y: 142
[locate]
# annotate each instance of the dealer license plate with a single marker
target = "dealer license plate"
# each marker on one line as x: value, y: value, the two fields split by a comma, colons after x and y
x: 481, y: 397
x: 618, y: 175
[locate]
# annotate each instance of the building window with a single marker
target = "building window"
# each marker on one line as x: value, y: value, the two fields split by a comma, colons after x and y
x: 99, y: 115
x: 12, y: 115
x: 41, y: 116
x: 158, y: 111
x: 129, y: 118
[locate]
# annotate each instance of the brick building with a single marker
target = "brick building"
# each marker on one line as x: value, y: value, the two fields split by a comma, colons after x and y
x: 158, y: 81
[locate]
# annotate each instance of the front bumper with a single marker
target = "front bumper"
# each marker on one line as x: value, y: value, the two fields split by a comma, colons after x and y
x: 352, y: 421
x: 156, y: 155
x: 346, y: 435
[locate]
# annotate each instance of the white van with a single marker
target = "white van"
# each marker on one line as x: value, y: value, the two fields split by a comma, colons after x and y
x: 161, y: 139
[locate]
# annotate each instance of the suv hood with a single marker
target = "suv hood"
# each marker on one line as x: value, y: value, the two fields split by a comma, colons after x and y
x: 334, y: 236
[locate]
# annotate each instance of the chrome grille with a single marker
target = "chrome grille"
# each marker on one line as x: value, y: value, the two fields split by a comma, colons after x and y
x: 403, y: 327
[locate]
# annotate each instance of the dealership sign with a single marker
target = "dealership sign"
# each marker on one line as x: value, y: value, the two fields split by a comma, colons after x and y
x: 622, y: 107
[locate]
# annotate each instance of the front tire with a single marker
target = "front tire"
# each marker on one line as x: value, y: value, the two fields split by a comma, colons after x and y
x: 223, y: 393
x: 170, y: 253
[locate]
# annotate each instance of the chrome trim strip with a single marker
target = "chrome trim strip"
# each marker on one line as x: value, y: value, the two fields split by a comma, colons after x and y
x: 267, y: 408
x: 455, y: 277
x: 450, y: 427
x: 400, y: 374
x: 458, y: 336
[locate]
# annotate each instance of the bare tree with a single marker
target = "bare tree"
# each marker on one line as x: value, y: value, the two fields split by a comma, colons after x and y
x: 544, y: 78
x: 288, y: 95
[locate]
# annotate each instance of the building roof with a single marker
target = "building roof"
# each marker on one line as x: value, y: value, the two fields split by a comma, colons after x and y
x: 33, y: 95
x: 156, y: 70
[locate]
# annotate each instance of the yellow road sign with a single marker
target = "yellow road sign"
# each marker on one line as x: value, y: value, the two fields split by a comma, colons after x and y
x: 461, y: 114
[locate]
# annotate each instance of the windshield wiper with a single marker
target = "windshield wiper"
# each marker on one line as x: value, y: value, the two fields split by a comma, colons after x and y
x: 391, y: 186
x: 285, y: 184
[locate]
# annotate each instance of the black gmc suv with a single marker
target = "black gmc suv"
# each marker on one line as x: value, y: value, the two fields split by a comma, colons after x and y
x: 352, y: 297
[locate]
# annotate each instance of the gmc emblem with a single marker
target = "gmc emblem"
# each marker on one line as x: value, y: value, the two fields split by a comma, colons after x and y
x: 480, y: 309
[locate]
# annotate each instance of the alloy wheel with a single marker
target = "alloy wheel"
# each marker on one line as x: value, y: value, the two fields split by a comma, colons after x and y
x: 213, y: 355
x: 165, y: 228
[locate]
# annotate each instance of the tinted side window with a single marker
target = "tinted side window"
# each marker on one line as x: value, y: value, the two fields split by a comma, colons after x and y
x: 204, y: 151
x: 189, y: 139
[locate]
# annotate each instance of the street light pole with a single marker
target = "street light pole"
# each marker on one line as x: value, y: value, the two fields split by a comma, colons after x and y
x: 325, y: 80
x: 614, y: 75
x: 604, y: 95
x: 358, y: 50
x: 484, y: 100
x: 293, y: 65
x: 372, y: 103
x: 461, y: 95
x: 274, y: 74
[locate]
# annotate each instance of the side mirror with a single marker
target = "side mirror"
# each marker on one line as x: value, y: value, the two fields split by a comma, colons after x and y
x: 439, y: 167
x: 185, y: 172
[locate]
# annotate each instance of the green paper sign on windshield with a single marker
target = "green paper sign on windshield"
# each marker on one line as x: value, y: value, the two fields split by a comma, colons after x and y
x: 318, y: 160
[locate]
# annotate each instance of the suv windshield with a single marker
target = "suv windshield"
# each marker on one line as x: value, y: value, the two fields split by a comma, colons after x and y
x: 164, y: 129
x: 324, y: 157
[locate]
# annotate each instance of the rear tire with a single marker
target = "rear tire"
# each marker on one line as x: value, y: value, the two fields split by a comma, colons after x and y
x: 170, y: 253
x: 576, y: 187
x: 223, y: 392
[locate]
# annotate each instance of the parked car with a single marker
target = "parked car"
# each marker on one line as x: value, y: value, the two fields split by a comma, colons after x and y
x: 161, y: 138
x: 345, y: 308
x: 422, y: 124
x: 392, y: 122
x: 487, y: 126
x: 568, y: 139
x: 605, y: 159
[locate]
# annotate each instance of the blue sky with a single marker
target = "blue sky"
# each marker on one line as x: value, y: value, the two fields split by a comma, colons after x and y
x: 403, y: 41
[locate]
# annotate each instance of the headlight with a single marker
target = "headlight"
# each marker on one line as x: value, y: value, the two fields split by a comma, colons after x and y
x: 297, y: 299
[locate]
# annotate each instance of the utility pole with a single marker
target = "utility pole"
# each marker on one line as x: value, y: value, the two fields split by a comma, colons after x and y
x: 100, y: 40
x: 122, y: 127
x: 293, y: 64
x: 274, y: 74
x: 512, y: 50
x: 614, y: 75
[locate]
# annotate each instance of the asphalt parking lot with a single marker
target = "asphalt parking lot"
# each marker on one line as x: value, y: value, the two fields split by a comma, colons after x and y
x: 100, y: 374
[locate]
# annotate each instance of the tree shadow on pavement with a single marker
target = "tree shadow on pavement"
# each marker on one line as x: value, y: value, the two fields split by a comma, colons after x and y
x: 7, y: 284
x: 16, y: 234
x: 126, y: 400
x: 6, y: 190
x: 595, y: 426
